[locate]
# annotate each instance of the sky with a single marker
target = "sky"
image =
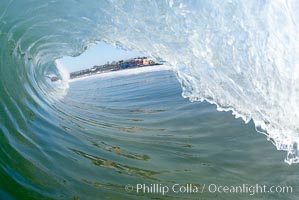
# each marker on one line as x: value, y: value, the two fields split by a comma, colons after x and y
x: 99, y: 54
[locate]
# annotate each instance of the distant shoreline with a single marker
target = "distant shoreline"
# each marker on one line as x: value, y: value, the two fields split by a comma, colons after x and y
x: 113, y: 69
x: 130, y: 71
x: 115, y: 66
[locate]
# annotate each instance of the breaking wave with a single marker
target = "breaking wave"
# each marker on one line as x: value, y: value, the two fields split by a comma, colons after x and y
x: 241, y: 56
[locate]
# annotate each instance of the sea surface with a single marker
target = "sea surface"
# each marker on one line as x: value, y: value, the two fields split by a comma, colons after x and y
x: 135, y: 128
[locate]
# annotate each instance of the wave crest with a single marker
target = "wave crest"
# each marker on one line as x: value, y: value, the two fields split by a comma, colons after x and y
x: 241, y: 56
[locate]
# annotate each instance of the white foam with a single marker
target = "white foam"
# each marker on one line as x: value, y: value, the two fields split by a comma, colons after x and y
x: 65, y: 75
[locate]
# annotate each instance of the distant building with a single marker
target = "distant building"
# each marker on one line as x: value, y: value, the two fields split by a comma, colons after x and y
x: 114, y: 66
x: 147, y: 61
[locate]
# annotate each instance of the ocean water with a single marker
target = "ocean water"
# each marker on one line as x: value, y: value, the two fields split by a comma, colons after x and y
x: 135, y: 128
x: 89, y: 139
